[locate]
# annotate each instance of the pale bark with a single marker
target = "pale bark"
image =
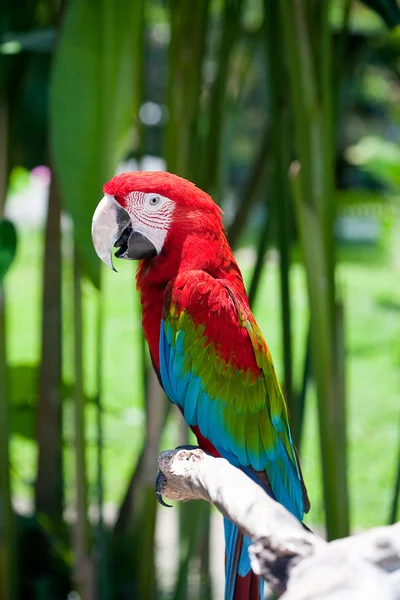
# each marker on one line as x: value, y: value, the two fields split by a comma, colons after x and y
x: 294, y: 562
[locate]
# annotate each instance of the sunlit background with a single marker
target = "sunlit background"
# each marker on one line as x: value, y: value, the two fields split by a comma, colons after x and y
x: 234, y: 95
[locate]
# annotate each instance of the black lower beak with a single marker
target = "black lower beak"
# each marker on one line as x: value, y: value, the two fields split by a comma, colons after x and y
x: 133, y: 245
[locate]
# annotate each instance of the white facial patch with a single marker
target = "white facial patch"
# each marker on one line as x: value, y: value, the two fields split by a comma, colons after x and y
x: 151, y: 216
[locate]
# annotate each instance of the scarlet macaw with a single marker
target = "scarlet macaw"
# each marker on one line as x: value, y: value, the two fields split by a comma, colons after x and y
x: 206, y: 347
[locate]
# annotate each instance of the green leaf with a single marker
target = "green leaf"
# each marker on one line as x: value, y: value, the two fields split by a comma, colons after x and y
x: 91, y: 99
x: 8, y: 246
x: 388, y: 10
x: 379, y: 157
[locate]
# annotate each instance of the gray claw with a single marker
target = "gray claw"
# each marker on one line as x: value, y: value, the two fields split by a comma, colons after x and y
x: 160, y: 485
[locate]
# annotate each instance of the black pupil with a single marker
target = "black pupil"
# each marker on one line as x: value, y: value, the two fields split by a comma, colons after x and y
x: 154, y: 200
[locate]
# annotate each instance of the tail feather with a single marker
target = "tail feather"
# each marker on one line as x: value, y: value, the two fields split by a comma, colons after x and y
x: 249, y: 587
x: 240, y: 581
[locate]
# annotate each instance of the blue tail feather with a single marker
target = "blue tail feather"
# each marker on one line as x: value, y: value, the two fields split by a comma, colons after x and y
x: 234, y: 567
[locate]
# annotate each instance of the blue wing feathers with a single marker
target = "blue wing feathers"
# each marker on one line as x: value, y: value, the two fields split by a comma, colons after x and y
x: 172, y: 378
x: 231, y: 536
x: 164, y: 362
x: 191, y: 398
x: 204, y: 414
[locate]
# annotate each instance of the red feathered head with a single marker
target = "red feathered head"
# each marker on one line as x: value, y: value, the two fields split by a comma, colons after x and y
x: 141, y: 211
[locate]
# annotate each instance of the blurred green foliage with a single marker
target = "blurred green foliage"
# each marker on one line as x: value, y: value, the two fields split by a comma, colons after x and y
x: 8, y: 246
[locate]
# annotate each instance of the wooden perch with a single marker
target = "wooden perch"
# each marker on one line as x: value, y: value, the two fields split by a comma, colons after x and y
x: 295, y: 563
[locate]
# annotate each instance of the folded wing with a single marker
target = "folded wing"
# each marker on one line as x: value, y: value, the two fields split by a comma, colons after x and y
x: 215, y: 365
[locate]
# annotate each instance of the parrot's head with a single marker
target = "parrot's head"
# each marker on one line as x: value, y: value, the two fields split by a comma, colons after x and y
x: 144, y: 214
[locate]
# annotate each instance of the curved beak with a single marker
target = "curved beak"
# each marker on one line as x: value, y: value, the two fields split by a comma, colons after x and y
x: 112, y: 228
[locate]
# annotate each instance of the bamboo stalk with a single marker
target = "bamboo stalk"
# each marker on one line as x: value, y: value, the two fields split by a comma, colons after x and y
x: 205, y: 583
x: 187, y: 546
x: 49, y: 482
x: 280, y: 143
x: 8, y: 551
x: 49, y: 485
x: 340, y: 53
x: 324, y: 363
x: 326, y: 124
x: 297, y: 434
x: 252, y: 189
x: 7, y: 533
x: 313, y: 194
x: 263, y: 241
x: 229, y: 35
x: 339, y: 413
x: 186, y: 54
x: 188, y: 527
x: 139, y: 61
x: 284, y: 272
x: 284, y: 246
x: 83, y: 570
x: 396, y: 493
x: 156, y: 415
x: 103, y: 585
x: 139, y: 508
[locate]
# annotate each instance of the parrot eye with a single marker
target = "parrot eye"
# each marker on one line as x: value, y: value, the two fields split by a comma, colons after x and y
x: 154, y: 200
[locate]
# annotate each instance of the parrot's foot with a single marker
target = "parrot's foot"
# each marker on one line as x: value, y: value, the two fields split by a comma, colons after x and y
x: 161, y: 482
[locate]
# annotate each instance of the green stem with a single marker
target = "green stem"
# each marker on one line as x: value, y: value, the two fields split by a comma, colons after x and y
x: 8, y: 582
x: 139, y: 508
x: 340, y: 53
x: 186, y: 54
x: 229, y: 35
x: 101, y: 550
x: 315, y: 207
x: 7, y: 532
x: 262, y: 246
x: 49, y: 483
x: 193, y: 527
x: 326, y: 123
x: 284, y: 246
x: 280, y: 142
x: 396, y: 495
x: 83, y: 568
x: 252, y: 189
x: 205, y: 591
x: 333, y: 438
x: 301, y: 400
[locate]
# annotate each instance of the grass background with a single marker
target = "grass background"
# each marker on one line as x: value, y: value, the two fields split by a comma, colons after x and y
x: 372, y: 302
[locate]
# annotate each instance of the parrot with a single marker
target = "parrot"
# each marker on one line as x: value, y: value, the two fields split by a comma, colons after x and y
x: 205, y: 345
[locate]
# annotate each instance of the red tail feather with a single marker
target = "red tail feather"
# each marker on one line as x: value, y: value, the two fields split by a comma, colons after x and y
x: 242, y: 588
x: 247, y: 588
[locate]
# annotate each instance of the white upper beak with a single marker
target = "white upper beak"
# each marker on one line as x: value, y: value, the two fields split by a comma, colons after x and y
x: 109, y: 220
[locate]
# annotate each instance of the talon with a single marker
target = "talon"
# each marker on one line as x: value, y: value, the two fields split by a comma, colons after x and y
x: 160, y: 483
x: 161, y: 500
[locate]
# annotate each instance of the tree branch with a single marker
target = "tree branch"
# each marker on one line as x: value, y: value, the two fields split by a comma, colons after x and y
x: 292, y: 560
